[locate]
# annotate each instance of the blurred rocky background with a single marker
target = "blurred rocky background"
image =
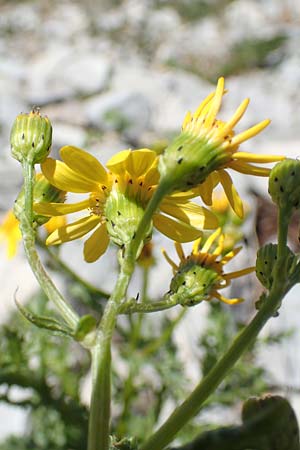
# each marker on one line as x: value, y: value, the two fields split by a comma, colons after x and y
x: 122, y: 74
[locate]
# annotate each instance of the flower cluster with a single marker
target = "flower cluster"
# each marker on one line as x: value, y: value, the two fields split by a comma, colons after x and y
x: 118, y: 194
x: 117, y: 200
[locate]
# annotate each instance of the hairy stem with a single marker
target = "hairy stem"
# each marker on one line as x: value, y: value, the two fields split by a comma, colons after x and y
x: 28, y: 234
x: 101, y: 353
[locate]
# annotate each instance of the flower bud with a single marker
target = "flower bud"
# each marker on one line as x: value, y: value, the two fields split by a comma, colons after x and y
x: 284, y: 186
x: 31, y: 137
x: 265, y: 261
x: 43, y: 192
x: 123, y: 215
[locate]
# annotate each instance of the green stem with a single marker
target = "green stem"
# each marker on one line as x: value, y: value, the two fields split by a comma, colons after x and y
x: 131, y: 306
x: 192, y: 405
x: 28, y: 235
x: 98, y: 438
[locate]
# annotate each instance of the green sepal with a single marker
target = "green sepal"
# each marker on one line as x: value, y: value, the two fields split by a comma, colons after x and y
x: 31, y: 137
x: 86, y: 325
x: 47, y: 323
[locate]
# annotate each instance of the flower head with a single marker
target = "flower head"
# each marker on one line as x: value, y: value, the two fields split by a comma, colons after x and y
x: 200, y: 275
x: 206, y: 146
x: 117, y: 200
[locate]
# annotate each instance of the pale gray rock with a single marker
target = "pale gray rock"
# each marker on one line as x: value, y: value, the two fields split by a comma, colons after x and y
x: 123, y: 110
x: 69, y: 73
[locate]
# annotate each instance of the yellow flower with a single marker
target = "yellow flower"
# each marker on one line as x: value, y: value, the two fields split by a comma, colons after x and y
x: 10, y: 232
x: 54, y: 223
x: 200, y: 275
x: 206, y: 146
x: 117, y: 200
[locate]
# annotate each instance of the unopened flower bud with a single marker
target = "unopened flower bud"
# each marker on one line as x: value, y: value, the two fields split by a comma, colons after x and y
x: 284, y: 186
x: 265, y: 261
x: 31, y: 137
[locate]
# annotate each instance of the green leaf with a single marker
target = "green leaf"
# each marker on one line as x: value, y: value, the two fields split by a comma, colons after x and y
x: 47, y: 323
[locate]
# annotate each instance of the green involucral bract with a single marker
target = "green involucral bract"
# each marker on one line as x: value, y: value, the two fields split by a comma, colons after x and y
x: 188, y: 160
x: 192, y: 284
x: 123, y: 215
x: 31, y: 137
x: 265, y: 262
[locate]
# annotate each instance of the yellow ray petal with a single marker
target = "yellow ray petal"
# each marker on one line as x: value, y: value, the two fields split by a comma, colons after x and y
x: 190, y: 213
x: 255, y: 158
x: 206, y: 189
x: 96, y: 244
x: 117, y: 163
x: 215, y: 104
x: 238, y: 273
x: 54, y: 223
x: 203, y: 104
x: 249, y: 169
x: 196, y: 245
x: 218, y: 250
x: 228, y: 257
x: 66, y: 179
x: 84, y: 164
x: 60, y: 209
x: 253, y: 131
x: 181, y: 196
x: 73, y: 230
x: 140, y: 161
x: 187, y: 119
x: 231, y: 193
x: 179, y: 251
x: 175, y: 230
x: 235, y: 118
x: 169, y: 260
x: 228, y: 301
x: 210, y: 240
